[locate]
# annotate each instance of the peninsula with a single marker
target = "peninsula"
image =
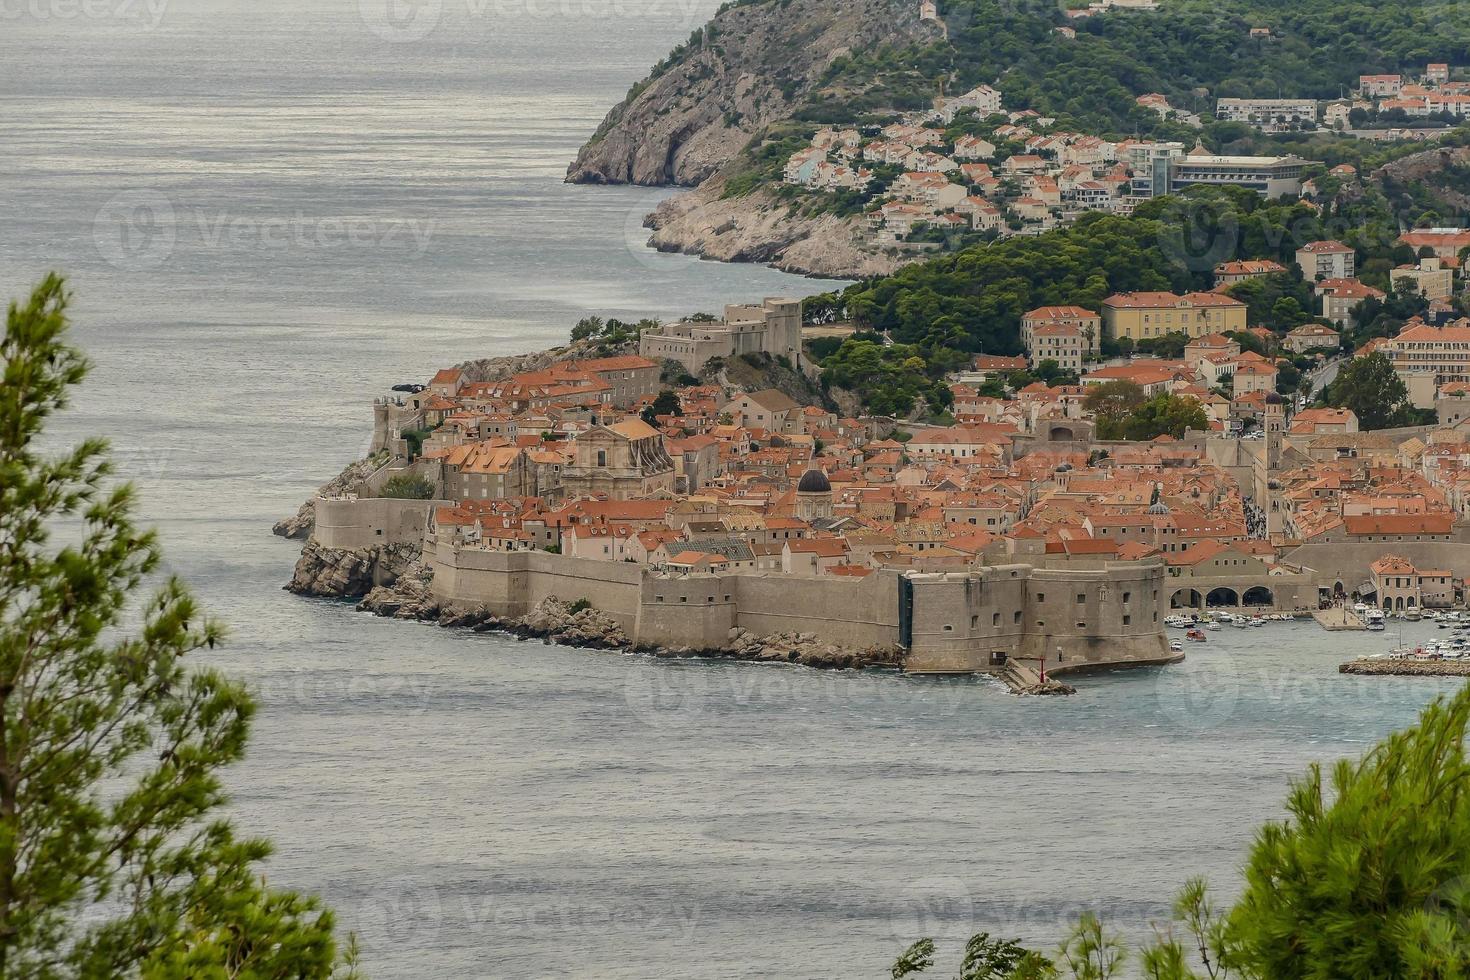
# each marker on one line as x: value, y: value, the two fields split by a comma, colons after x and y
x: 848, y: 141
x: 695, y: 488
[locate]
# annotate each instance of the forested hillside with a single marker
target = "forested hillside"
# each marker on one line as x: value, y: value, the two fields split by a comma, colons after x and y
x: 1190, y: 50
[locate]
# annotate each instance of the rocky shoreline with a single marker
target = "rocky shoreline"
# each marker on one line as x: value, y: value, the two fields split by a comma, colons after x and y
x: 405, y: 594
x: 1406, y: 668
x: 758, y: 228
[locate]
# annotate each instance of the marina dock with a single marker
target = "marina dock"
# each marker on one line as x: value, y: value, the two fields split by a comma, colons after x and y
x: 1337, y: 619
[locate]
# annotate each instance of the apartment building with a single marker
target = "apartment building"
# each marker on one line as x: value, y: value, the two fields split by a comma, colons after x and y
x: 1140, y: 316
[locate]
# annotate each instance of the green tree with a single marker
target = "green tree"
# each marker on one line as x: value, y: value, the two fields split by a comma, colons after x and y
x: 114, y: 857
x: 1166, y: 414
x: 588, y: 326
x: 1373, y: 391
x: 667, y: 403
x: 1371, y: 878
x: 408, y: 486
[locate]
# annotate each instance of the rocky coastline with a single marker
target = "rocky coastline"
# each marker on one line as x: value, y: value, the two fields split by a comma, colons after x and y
x: 402, y: 592
x: 751, y: 66
x: 758, y: 228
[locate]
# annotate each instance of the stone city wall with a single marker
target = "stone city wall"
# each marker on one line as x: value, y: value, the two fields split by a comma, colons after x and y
x: 347, y: 523
x: 960, y: 623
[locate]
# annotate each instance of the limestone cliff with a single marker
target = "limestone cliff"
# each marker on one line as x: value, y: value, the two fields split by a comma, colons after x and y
x: 750, y: 66
x: 1441, y: 172
x: 343, y: 574
x: 757, y: 228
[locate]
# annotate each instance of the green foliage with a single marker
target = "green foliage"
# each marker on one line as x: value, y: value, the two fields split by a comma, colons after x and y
x: 998, y: 959
x: 889, y: 380
x: 1280, y: 302
x: 823, y: 308
x: 914, y: 960
x: 821, y: 348
x: 579, y: 606
x: 973, y: 300
x: 1090, y: 84
x: 414, y: 438
x: 1123, y: 415
x: 1112, y: 402
x: 115, y: 857
x: 764, y: 161
x: 610, y: 335
x: 667, y: 403
x: 1170, y: 346
x: 408, y: 486
x: 1373, y: 878
x: 1374, y: 392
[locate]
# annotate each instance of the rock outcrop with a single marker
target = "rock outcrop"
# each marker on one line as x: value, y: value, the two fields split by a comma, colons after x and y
x: 752, y: 65
x: 346, y: 574
x: 1439, y: 171
x: 300, y: 524
x: 806, y: 649
x: 757, y: 228
x: 576, y: 624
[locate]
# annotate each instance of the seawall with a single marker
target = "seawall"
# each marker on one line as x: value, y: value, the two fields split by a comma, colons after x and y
x: 959, y: 622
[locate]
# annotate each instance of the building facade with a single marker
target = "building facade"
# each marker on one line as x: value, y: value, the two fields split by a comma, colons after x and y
x: 772, y: 328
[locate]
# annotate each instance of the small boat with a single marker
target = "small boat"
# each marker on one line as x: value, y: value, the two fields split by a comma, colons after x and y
x: 1413, y: 615
x: 1197, y: 636
x: 1257, y: 621
x: 1176, y: 646
x: 1240, y: 622
x: 1212, y: 626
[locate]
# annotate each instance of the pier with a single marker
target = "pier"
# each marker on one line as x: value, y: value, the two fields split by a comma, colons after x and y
x: 1406, y: 668
x: 1023, y: 679
x: 1337, y: 619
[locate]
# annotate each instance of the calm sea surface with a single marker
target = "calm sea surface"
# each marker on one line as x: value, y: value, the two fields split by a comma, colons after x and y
x: 271, y: 212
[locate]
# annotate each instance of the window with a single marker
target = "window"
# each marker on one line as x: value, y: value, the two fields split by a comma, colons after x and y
x: 974, y: 622
x: 1017, y: 618
x: 995, y: 619
x: 948, y: 628
x: 1127, y: 596
x: 1127, y: 620
x: 683, y: 598
x: 601, y: 457
x: 1081, y: 598
x: 1041, y: 597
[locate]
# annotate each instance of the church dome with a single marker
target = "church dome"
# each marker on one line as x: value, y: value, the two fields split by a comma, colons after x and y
x: 814, y: 481
x: 1275, y: 399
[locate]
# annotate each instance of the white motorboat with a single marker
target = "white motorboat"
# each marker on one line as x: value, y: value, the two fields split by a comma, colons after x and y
x: 1212, y: 626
